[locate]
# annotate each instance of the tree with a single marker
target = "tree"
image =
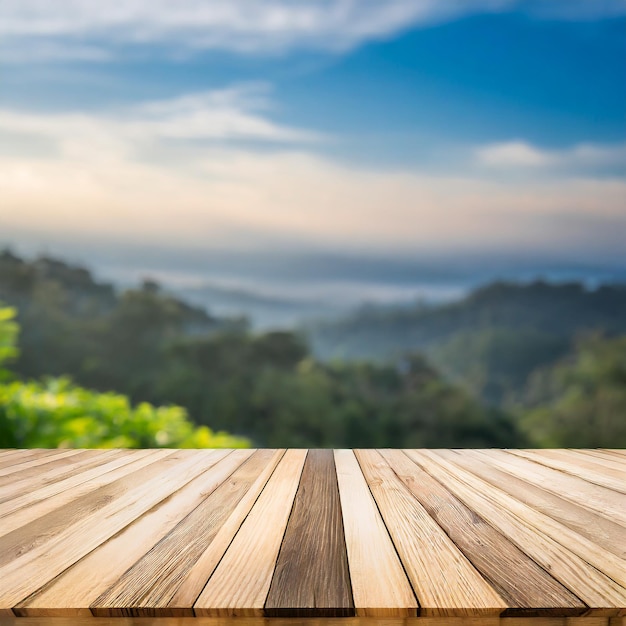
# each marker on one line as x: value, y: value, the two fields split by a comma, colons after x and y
x: 57, y: 413
x: 581, y: 402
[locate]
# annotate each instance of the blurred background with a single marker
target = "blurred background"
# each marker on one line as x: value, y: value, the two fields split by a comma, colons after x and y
x: 313, y: 223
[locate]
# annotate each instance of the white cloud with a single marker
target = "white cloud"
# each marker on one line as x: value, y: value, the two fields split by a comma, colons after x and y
x: 229, y: 114
x: 91, y: 30
x: 98, y: 185
x: 522, y: 155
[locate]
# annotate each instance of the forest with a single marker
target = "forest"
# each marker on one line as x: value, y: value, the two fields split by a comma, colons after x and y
x: 86, y: 364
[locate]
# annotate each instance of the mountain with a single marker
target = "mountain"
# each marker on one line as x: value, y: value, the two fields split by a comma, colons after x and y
x: 153, y: 347
x: 489, y: 341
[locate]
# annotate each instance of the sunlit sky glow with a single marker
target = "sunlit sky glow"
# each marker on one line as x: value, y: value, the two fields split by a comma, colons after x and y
x: 391, y: 141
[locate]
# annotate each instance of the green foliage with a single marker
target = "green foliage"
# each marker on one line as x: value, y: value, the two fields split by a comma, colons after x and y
x: 495, y: 363
x: 8, y: 337
x: 581, y: 402
x: 56, y: 413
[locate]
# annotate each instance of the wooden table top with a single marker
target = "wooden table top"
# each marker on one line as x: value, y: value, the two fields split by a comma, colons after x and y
x: 313, y: 533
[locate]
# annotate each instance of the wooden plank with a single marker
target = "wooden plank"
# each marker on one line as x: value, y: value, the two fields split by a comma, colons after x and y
x: 147, y: 588
x: 34, y: 567
x: 613, y: 451
x: 602, y: 458
x: 311, y: 577
x: 581, y: 460
x: 563, y: 464
x: 502, y: 563
x: 58, y: 469
x: 18, y: 471
x: 444, y: 581
x: 607, y: 534
x: 605, y: 561
x: 28, y: 507
x: 379, y: 584
x: 602, y: 501
x: 15, y: 458
x: 511, y: 518
x: 72, y: 593
x: 239, y: 585
x: 199, y: 573
x: 353, y: 621
x: 38, y: 530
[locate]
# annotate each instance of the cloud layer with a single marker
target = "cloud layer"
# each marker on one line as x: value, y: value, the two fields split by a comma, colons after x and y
x: 95, y: 31
x: 140, y: 175
x: 522, y: 155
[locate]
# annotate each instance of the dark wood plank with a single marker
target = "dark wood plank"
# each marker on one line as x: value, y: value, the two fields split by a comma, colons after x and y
x: 502, y: 563
x: 148, y: 587
x: 311, y: 576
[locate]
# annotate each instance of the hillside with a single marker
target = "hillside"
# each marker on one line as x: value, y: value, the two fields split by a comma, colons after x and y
x: 490, y: 341
x: 153, y: 347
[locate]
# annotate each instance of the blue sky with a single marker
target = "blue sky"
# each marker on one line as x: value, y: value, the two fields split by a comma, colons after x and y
x: 412, y: 139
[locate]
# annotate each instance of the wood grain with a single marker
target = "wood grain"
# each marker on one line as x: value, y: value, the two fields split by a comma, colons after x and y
x: 511, y: 517
x: 34, y: 504
x: 24, y: 574
x: 444, y: 581
x: 148, y: 587
x: 199, y: 573
x: 311, y: 577
x: 239, y: 585
x: 480, y: 537
x: 540, y: 593
x: 599, y: 500
x: 56, y: 469
x: 35, y: 460
x: 379, y: 584
x: 13, y: 458
x: 601, y: 459
x: 606, y: 478
x: 38, y: 531
x: 605, y: 533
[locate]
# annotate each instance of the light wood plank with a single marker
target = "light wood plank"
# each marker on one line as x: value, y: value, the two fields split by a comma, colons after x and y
x: 603, y: 459
x: 147, y: 588
x: 57, y: 469
x: 199, y: 573
x: 575, y: 468
x: 379, y: 584
x: 444, y: 581
x: 311, y: 577
x: 605, y: 561
x: 42, y: 529
x: 581, y: 459
x: 28, y: 507
x: 15, y: 458
x: 511, y: 518
x: 613, y: 451
x: 598, y: 529
x: 502, y: 563
x: 18, y: 471
x: 72, y: 593
x: 239, y: 585
x: 599, y: 500
x: 32, y: 569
